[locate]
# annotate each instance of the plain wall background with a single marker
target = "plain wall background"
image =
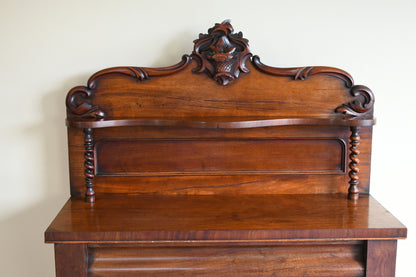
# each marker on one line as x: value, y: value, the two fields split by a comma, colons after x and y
x: 47, y: 47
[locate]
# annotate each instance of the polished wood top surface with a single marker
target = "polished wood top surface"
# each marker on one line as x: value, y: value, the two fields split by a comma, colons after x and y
x: 223, y: 218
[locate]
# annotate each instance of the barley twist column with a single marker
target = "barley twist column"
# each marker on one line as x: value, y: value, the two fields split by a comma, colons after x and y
x: 353, y: 192
x: 89, y: 165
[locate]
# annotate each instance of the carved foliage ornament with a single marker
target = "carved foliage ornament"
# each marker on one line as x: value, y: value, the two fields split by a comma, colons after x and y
x: 221, y: 53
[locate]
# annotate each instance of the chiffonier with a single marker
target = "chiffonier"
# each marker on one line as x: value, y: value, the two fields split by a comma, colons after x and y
x: 221, y: 165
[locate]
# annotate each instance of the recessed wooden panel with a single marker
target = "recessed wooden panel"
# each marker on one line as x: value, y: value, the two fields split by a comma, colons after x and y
x: 219, y: 156
x: 296, y: 183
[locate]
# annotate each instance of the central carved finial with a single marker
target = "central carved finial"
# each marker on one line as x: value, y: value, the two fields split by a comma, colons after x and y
x: 221, y: 53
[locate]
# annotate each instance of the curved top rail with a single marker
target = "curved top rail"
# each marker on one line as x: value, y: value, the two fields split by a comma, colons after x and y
x: 218, y: 123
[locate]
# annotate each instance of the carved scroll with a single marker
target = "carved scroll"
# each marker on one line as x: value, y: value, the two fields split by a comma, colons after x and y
x: 303, y: 73
x: 79, y: 99
x: 353, y: 192
x: 89, y: 171
x: 221, y: 53
x: 363, y: 97
x: 78, y: 103
x: 140, y: 73
x: 362, y: 104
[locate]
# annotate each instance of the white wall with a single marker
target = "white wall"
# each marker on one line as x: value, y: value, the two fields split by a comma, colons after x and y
x: 47, y: 47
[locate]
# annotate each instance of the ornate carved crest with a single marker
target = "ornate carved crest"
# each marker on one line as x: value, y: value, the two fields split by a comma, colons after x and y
x: 221, y: 53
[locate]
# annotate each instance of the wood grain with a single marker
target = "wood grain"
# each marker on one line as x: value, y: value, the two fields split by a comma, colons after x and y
x: 238, y: 182
x: 223, y: 218
x: 381, y: 258
x: 222, y: 165
x: 71, y: 260
x: 220, y: 157
x: 122, y: 97
x: 219, y: 123
x: 291, y: 259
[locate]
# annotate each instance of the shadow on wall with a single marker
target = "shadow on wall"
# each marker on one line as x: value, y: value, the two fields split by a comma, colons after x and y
x: 22, y: 240
x: 24, y: 252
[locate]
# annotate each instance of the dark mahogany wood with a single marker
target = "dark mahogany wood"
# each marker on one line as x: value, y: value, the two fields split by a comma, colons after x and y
x: 227, y: 235
x: 221, y: 53
x: 220, y: 123
x: 360, y: 106
x: 220, y: 156
x: 325, y: 258
x: 89, y: 171
x: 322, y: 177
x: 353, y: 192
x: 303, y: 73
x: 79, y: 99
x: 224, y: 218
x: 221, y: 165
x: 314, y: 259
x: 71, y: 259
x: 381, y: 258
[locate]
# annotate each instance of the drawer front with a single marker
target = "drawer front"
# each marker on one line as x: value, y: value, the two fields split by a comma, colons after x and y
x: 307, y: 259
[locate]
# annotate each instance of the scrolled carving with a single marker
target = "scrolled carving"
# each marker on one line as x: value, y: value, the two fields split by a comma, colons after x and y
x: 221, y: 53
x: 78, y: 102
x: 79, y: 99
x: 361, y: 105
x: 303, y: 73
x: 140, y: 73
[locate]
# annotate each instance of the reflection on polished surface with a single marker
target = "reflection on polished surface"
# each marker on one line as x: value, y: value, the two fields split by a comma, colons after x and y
x: 220, y: 217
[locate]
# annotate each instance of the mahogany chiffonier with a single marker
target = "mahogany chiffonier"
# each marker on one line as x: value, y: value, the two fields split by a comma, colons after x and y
x: 221, y: 165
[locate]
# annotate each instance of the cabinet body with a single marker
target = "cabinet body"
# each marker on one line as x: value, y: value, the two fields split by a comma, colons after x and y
x: 225, y: 235
x: 322, y: 258
x: 221, y: 165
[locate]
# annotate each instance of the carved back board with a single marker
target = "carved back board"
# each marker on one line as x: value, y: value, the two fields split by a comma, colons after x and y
x: 220, y: 122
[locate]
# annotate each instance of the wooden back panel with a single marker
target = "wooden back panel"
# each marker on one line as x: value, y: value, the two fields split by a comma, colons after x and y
x: 187, y: 94
x: 219, y: 122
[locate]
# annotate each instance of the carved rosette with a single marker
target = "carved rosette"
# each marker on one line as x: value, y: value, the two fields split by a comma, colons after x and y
x: 221, y: 53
